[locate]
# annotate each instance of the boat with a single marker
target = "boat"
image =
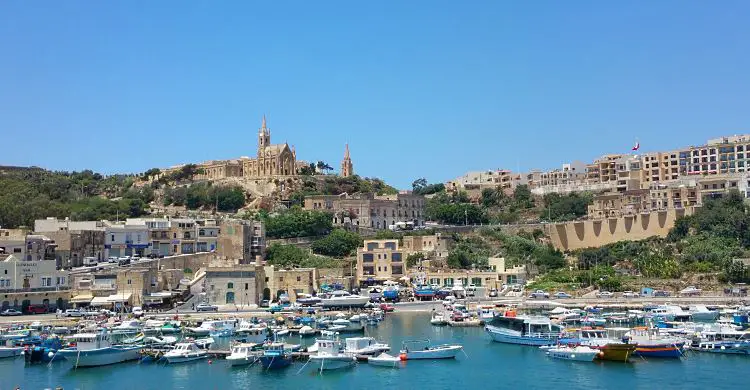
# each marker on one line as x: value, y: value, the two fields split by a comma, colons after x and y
x: 364, y: 346
x: 722, y: 339
x: 375, y: 293
x: 486, y: 313
x: 523, y: 330
x: 438, y: 319
x: 391, y: 291
x: 252, y: 333
x: 241, y: 354
x: 275, y: 355
x: 458, y: 290
x: 185, y: 352
x: 443, y: 351
x: 649, y: 344
x: 306, y: 331
x: 329, y: 356
x: 611, y: 349
x: 8, y: 351
x: 385, y: 360
x: 41, y: 351
x: 341, y: 298
x: 307, y: 300
x: 127, y: 327
x: 214, y: 328
x: 159, y: 341
x: 700, y: 313
x: 137, y: 339
x: 421, y: 292
x: 15, y: 334
x: 344, y: 325
x: 96, y: 349
x: 579, y: 353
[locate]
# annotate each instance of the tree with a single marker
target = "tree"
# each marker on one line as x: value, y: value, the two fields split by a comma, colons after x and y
x: 297, y: 222
x: 151, y: 172
x: 338, y: 243
x: 418, y: 184
x: 414, y: 259
x: 492, y: 197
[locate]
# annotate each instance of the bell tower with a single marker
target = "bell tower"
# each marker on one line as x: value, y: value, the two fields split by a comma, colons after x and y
x: 347, y: 168
x: 264, y: 137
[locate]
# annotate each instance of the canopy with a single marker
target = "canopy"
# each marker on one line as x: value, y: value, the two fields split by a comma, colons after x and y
x: 100, y: 301
x: 124, y: 297
x: 81, y: 299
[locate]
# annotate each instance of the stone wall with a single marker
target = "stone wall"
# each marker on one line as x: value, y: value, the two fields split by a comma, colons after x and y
x: 596, y: 233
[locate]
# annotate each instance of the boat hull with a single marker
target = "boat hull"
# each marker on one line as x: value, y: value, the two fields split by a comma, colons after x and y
x: 705, y: 316
x: 500, y: 336
x: 728, y: 347
x: 342, y: 302
x: 184, y: 359
x: 100, y: 357
x: 669, y: 351
x: 240, y: 360
x: 443, y: 353
x: 616, y: 352
x: 8, y: 352
x: 331, y: 362
x: 391, y: 363
x: 275, y: 362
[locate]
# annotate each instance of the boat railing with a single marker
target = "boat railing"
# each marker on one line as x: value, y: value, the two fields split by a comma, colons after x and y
x: 543, y: 335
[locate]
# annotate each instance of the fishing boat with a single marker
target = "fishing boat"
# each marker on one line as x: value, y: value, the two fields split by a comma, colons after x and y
x: 42, y: 351
x: 341, y: 298
x: 185, y: 352
x: 438, y: 319
x: 329, y: 356
x: 611, y: 349
x: 523, y: 330
x: 722, y: 339
x: 275, y: 356
x: 424, y: 292
x: 579, y: 353
x: 96, y: 349
x: 15, y: 334
x: 486, y: 313
x: 391, y: 291
x: 241, y: 354
x: 127, y: 327
x: 364, y: 346
x: 159, y: 341
x: 385, y: 360
x: 444, y: 351
x: 650, y: 344
x: 216, y: 328
x: 252, y: 333
x: 700, y: 313
x: 10, y: 351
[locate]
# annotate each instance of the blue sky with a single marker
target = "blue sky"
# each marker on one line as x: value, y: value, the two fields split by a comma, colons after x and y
x: 417, y: 88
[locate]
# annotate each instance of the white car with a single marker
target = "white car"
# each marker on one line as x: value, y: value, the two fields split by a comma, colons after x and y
x: 74, y: 313
x: 206, y: 307
x: 690, y: 290
x: 137, y: 311
x: 604, y: 294
x: 629, y: 294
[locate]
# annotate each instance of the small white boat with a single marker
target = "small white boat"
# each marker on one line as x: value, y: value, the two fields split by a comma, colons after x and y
x: 329, y: 357
x: 700, y: 313
x: 163, y: 340
x: 438, y: 319
x: 127, y: 327
x: 578, y: 354
x: 306, y: 331
x: 341, y: 298
x: 355, y: 318
x: 204, y: 343
x: 364, y: 346
x: 96, y: 349
x: 445, y: 351
x: 185, y: 352
x: 385, y: 360
x: 253, y: 333
x: 241, y: 355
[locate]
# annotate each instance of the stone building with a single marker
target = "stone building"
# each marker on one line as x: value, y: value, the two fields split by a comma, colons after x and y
x: 231, y: 283
x: 347, y: 168
x: 242, y: 240
x: 380, y: 260
x: 293, y: 282
x: 369, y: 210
x: 35, y: 282
x: 494, y: 277
x: 272, y: 160
x: 434, y: 246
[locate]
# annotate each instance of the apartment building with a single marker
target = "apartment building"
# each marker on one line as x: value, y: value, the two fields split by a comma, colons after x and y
x: 35, y: 282
x: 569, y: 173
x: 126, y: 240
x: 433, y: 246
x: 292, y: 282
x: 369, y: 210
x: 75, y: 239
x: 242, y: 240
x: 380, y: 260
x: 479, y: 180
x: 494, y: 277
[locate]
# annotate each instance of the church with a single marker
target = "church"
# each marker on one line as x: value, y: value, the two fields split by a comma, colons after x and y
x: 271, y: 161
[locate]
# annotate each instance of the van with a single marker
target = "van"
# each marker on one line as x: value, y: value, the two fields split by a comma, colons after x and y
x: 37, y: 309
x: 89, y: 261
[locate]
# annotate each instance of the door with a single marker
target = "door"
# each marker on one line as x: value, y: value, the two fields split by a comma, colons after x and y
x: 230, y: 297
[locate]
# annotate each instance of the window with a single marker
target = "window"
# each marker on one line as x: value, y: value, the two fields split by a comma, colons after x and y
x: 366, y: 257
x: 247, y: 285
x: 113, y: 237
x: 385, y: 268
x: 266, y: 279
x: 130, y: 281
x: 230, y: 285
x: 281, y: 278
x: 299, y: 278
x: 396, y: 256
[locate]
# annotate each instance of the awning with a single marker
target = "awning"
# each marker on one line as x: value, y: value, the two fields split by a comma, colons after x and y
x: 100, y: 301
x: 81, y: 299
x: 152, y: 300
x: 119, y: 297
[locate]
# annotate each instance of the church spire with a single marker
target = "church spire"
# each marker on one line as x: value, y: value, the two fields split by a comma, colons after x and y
x: 263, y: 125
x: 347, y: 168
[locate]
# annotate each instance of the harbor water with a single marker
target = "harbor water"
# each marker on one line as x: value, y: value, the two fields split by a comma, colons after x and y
x: 485, y: 365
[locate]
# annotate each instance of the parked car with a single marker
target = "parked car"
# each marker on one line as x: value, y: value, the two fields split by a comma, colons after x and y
x: 206, y: 307
x: 539, y: 294
x: 629, y: 294
x: 604, y: 294
x: 123, y: 261
x: 37, y: 309
x: 471, y: 290
x: 387, y: 307
x: 661, y: 293
x: 112, y: 259
x: 562, y: 295
x: 690, y: 291
x: 10, y: 312
x: 264, y: 303
x: 74, y: 313
x: 137, y: 311
x: 493, y: 293
x: 106, y: 312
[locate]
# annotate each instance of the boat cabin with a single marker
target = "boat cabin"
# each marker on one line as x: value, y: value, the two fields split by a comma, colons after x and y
x: 329, y: 347
x: 87, y: 341
x: 186, y: 347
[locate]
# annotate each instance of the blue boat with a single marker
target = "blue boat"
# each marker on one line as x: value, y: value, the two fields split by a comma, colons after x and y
x: 275, y: 356
x: 536, y: 331
x: 424, y: 292
x: 43, y: 350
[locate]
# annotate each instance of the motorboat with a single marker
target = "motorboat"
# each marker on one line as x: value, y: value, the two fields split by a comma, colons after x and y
x: 375, y: 293
x: 41, y: 351
x: 579, y: 353
x: 241, y: 354
x: 275, y: 355
x: 651, y: 344
x: 159, y: 341
x: 486, y: 313
x: 214, y: 328
x: 137, y: 339
x: 345, y: 325
x: 306, y: 331
x: 611, y: 349
x: 391, y: 290
x: 722, y: 339
x: 364, y: 346
x: 524, y: 330
x: 203, y: 343
x: 458, y: 290
x: 329, y: 356
x: 15, y: 334
x: 96, y: 349
x: 424, y: 292
x: 9, y: 352
x: 307, y: 300
x: 438, y: 319
x: 444, y: 351
x: 341, y: 298
x: 252, y: 333
x: 700, y: 313
x: 385, y: 360
x: 185, y: 352
x: 127, y: 327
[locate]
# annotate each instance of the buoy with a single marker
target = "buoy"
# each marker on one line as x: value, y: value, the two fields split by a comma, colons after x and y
x: 402, y: 357
x: 50, y: 354
x: 210, y: 361
x: 600, y: 355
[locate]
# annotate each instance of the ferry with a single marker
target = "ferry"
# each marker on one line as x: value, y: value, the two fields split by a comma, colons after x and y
x: 523, y: 330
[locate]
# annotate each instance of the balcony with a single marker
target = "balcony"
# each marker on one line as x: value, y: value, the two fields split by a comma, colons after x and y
x: 35, y: 289
x: 102, y: 287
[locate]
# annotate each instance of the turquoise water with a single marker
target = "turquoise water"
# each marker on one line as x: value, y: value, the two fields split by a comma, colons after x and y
x: 488, y: 365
